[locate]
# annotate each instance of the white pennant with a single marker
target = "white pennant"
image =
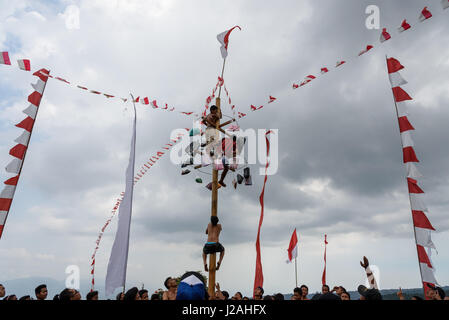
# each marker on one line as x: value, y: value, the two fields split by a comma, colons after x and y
x: 417, y: 202
x: 423, y: 237
x: 396, y: 79
x: 402, y: 109
x: 31, y: 111
x: 23, y: 138
x: 412, y: 171
x: 407, y: 139
x: 39, y: 86
x: 8, y: 192
x: 14, y: 166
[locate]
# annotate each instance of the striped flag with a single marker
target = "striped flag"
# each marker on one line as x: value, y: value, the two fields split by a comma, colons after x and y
x: 223, y: 38
x: 293, y: 247
x: 4, y: 58
x: 425, y: 14
x: 24, y: 64
x: 404, y: 26
x: 384, y: 36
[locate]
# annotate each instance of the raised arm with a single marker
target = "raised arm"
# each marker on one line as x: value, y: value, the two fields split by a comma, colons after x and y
x: 369, y: 273
x: 226, y: 123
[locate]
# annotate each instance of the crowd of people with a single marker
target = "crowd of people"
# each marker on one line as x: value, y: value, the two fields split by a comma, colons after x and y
x: 299, y: 293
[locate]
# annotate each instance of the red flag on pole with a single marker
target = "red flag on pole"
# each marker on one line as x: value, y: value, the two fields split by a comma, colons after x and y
x: 293, y: 247
x: 323, y: 278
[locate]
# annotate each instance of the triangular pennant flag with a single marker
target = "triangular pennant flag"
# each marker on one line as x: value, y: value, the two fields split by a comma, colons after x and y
x: 324, y: 70
x: 394, y: 65
x: 384, y: 36
x: 368, y: 48
x: 425, y: 14
x: 404, y: 26
x: 24, y: 64
x: 4, y: 58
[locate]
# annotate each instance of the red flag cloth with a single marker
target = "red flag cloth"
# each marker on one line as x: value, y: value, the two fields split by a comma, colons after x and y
x: 24, y: 64
x: 409, y: 155
x: 394, y: 65
x: 18, y: 151
x: 385, y: 35
x: 258, y: 280
x: 35, y: 98
x: 154, y: 104
x: 5, y: 204
x: 271, y: 99
x: 404, y: 124
x: 404, y: 26
x: 4, y: 58
x: 26, y: 124
x: 223, y: 38
x: 41, y: 75
x: 425, y: 14
x: 295, y: 86
x: 292, y: 247
x: 422, y: 256
x: 400, y: 95
x: 324, y: 70
x: 12, y: 181
x: 413, y: 186
x: 323, y: 278
x: 420, y: 220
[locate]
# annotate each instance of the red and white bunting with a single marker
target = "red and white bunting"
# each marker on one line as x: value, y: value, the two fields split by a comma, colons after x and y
x: 404, y: 26
x: 20, y: 149
x: 421, y: 224
x: 24, y: 64
x: 4, y: 58
x: 384, y: 36
x: 368, y: 48
x: 425, y: 14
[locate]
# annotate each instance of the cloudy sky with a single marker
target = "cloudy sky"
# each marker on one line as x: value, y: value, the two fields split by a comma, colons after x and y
x: 340, y: 169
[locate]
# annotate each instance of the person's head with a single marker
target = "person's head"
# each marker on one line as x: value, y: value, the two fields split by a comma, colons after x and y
x: 339, y: 290
x: 170, y: 283
x: 27, y: 297
x: 76, y: 295
x: 132, y: 294
x: 225, y: 294
x: 245, y: 298
x: 440, y: 292
x: 305, y: 290
x: 214, y: 220
x: 11, y: 297
x: 213, y: 109
x: 297, y: 294
x: 41, y: 292
x: 325, y: 289
x: 67, y: 294
x: 2, y: 291
x: 345, y: 296
x: 258, y: 293
x: 143, y: 294
x: 278, y: 296
x: 155, y: 296
x: 329, y: 296
x: 237, y: 296
x: 56, y: 297
x: 368, y: 294
x: 120, y: 296
x: 93, y: 295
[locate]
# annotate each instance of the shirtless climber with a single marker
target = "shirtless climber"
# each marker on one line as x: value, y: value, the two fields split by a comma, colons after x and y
x: 212, y: 245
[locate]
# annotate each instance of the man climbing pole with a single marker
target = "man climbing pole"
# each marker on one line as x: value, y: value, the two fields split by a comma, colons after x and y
x: 213, y: 245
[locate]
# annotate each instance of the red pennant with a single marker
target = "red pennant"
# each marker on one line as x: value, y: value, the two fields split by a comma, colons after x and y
x: 400, y: 95
x: 40, y: 75
x: 18, y: 151
x: 409, y: 155
x: 422, y: 256
x: 413, y: 186
x: 26, y: 124
x: 394, y: 65
x: 35, y: 98
x: 420, y: 220
x: 404, y: 124
x: 12, y: 181
x: 5, y: 204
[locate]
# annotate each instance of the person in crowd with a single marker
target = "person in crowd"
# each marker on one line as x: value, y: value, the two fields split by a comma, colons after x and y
x: 11, y: 297
x: 325, y: 289
x: 171, y: 286
x: 369, y: 294
x: 245, y: 298
x: 120, y: 296
x: 132, y: 294
x: 213, y: 244
x: 41, y: 292
x: 220, y: 295
x: 27, y: 297
x: 143, y: 294
x: 93, y: 295
x: 338, y: 290
x: 297, y: 294
x: 69, y: 294
x: 155, y: 296
x: 304, y: 292
x: 56, y: 297
x: 369, y: 274
x: 345, y: 296
x: 268, y: 297
x: 435, y: 293
x: 258, y: 293
x: 237, y: 296
x: 2, y: 291
x: 278, y: 296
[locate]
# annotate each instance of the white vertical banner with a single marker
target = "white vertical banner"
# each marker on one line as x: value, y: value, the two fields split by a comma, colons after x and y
x: 116, y: 274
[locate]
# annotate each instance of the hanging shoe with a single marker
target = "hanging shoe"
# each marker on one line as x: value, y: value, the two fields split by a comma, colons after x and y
x: 198, y: 180
x: 246, y: 173
x: 239, y: 178
x: 249, y: 181
x: 187, y: 163
x: 184, y: 172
